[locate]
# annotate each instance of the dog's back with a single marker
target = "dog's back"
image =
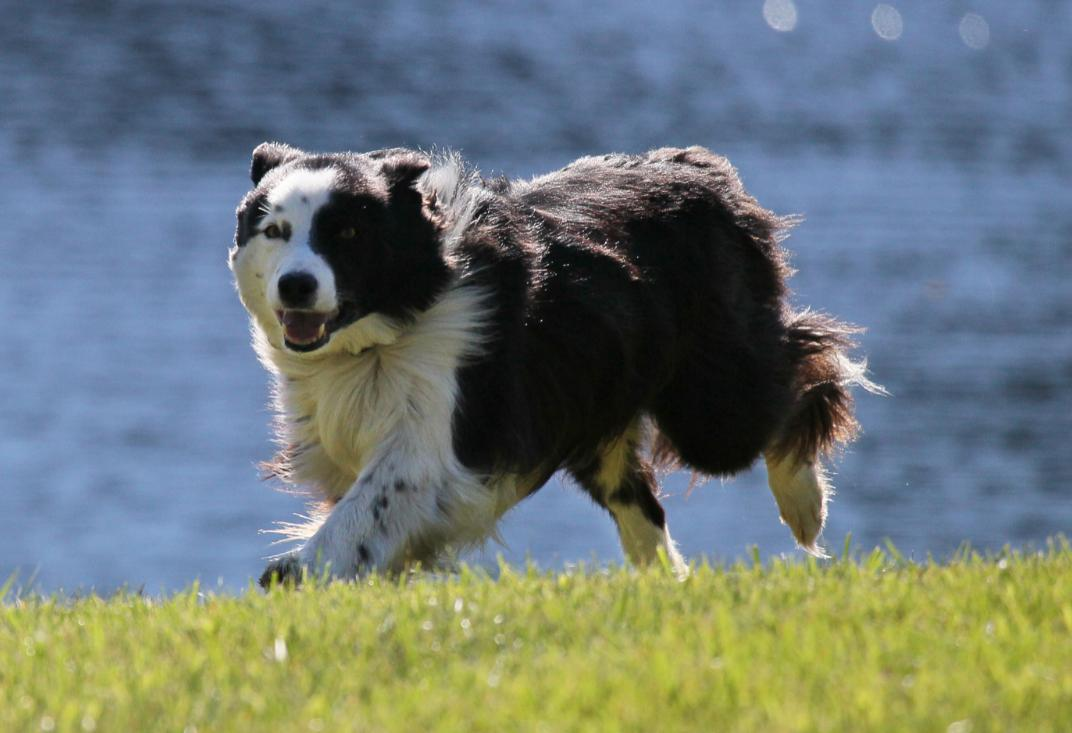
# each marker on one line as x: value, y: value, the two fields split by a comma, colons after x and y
x: 681, y: 280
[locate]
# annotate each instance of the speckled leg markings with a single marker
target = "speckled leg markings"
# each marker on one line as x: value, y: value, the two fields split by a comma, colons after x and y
x: 388, y: 519
x: 362, y: 533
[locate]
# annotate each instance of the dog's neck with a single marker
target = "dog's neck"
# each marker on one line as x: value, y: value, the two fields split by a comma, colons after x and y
x: 391, y: 380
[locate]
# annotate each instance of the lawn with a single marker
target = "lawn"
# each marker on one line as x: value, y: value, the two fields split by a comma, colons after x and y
x: 872, y: 643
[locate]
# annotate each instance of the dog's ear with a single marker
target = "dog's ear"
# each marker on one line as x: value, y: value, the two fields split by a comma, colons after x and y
x: 267, y: 156
x: 414, y: 211
x: 401, y: 170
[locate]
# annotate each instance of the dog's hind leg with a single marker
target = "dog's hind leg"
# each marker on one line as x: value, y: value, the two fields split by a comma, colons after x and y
x: 621, y: 481
x: 820, y: 420
x: 801, y: 490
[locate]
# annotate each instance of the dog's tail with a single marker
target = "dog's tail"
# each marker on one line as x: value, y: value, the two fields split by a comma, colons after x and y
x: 821, y: 420
x: 822, y: 375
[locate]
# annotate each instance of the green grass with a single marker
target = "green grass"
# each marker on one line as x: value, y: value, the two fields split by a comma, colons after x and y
x: 871, y: 644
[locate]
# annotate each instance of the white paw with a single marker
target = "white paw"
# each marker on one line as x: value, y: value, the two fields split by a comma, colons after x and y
x: 805, y: 515
x: 801, y: 492
x: 324, y: 560
x: 316, y: 561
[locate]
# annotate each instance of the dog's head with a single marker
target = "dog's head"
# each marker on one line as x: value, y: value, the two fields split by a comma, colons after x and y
x: 330, y: 248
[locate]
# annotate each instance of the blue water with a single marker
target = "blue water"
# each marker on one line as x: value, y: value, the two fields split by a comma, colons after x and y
x: 934, y: 178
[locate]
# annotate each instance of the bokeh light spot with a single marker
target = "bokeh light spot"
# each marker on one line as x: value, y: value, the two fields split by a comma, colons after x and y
x: 974, y: 31
x: 886, y: 21
x: 781, y: 15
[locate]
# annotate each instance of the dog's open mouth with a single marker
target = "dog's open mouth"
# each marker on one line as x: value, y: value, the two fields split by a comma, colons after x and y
x: 306, y: 330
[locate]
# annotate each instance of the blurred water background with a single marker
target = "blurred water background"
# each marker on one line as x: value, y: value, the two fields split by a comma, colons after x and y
x: 927, y: 144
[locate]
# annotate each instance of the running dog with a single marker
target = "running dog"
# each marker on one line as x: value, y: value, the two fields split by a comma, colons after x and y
x: 441, y: 344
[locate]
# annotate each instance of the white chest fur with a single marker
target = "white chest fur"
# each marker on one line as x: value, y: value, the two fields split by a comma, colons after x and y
x: 382, y: 388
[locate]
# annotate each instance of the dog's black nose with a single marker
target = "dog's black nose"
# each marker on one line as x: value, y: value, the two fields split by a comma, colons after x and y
x: 297, y: 289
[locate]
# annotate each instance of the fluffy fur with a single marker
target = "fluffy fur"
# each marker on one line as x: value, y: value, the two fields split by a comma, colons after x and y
x: 441, y: 344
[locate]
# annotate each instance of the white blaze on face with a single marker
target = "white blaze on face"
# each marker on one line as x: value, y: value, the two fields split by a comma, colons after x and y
x: 292, y: 204
x: 262, y: 261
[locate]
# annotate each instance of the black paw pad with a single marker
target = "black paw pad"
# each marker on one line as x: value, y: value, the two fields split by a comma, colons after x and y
x: 285, y: 571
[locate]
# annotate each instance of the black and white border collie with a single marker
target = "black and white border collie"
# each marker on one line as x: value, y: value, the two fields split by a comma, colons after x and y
x: 441, y: 344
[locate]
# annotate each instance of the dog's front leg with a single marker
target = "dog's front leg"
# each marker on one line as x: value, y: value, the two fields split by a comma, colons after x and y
x: 398, y: 504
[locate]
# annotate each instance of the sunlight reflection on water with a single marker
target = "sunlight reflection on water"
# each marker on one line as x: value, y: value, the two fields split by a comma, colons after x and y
x: 887, y: 22
x: 781, y: 15
x: 974, y: 31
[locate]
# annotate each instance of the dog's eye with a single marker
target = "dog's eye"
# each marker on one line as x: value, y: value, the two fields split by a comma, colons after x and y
x: 272, y: 231
x: 347, y: 233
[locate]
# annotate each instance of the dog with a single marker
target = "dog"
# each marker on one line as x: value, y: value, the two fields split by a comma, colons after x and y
x: 441, y: 344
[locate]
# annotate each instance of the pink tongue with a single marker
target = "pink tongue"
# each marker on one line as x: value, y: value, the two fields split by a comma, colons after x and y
x: 302, y: 327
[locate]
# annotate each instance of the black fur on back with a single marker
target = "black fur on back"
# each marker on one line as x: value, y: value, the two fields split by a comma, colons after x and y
x: 632, y: 288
